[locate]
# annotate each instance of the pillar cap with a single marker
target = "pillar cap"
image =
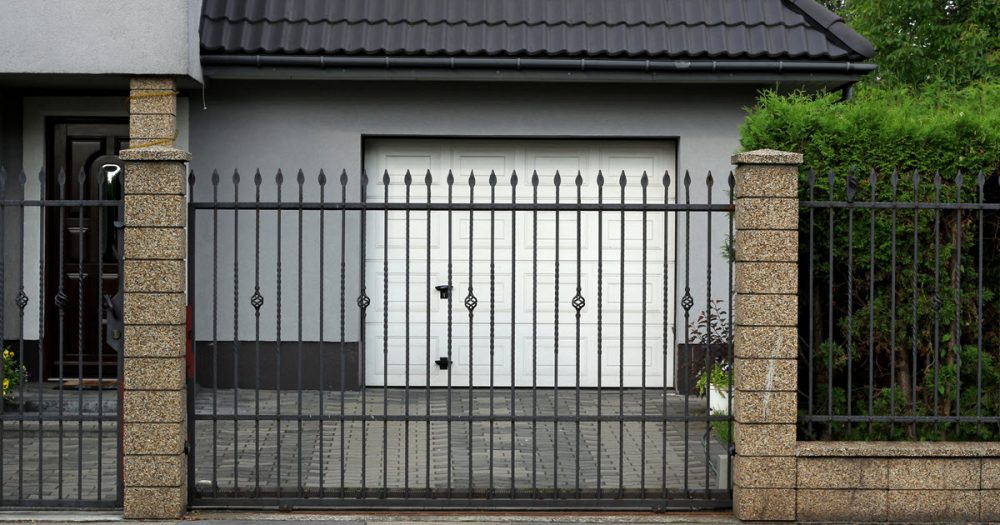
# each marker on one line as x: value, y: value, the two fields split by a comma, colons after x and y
x: 767, y: 156
x: 155, y: 153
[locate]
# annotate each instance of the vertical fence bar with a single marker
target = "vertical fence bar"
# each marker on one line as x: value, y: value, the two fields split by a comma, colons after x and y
x: 811, y: 392
x: 43, y: 263
x: 709, y: 247
x: 644, y: 183
x: 578, y: 304
x: 916, y: 244
x: 665, y: 335
x: 363, y: 302
x: 385, y: 337
x: 215, y: 333
x: 343, y: 322
x: 407, y: 181
x: 729, y: 340
x: 957, y: 273
x: 236, y: 331
x: 301, y: 179
x: 600, y: 328
x: 534, y: 335
x: 829, y: 350
x: 871, y: 303
x: 555, y: 349
x: 980, y: 182
x: 893, y: 230
x: 101, y: 221
x: 448, y: 408
x: 936, y: 300
x: 621, y: 342
x: 60, y: 302
x: 278, y: 179
x: 427, y: 364
x: 82, y: 177
x: 256, y: 300
x: 493, y: 310
x: 687, y: 302
x: 513, y: 335
x: 321, y: 180
x: 191, y: 340
x: 851, y: 190
x: 22, y: 302
x: 470, y: 305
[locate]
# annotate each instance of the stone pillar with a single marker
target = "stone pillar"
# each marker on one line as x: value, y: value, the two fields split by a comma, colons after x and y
x: 765, y: 336
x: 154, y: 403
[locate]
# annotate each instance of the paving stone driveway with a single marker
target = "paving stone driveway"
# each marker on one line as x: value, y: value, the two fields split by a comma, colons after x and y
x: 77, y: 460
x: 301, y: 457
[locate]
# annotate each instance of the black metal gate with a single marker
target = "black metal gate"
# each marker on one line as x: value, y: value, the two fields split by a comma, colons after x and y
x: 330, y: 369
x: 59, y: 425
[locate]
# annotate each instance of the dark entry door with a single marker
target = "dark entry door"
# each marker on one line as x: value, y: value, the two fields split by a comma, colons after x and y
x: 81, y: 253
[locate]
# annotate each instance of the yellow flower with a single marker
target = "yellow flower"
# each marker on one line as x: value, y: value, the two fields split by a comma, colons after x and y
x: 6, y: 384
x: 7, y: 354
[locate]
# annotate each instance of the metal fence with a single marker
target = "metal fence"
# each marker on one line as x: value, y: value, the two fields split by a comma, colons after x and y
x: 478, y: 341
x: 899, y: 314
x: 59, y: 439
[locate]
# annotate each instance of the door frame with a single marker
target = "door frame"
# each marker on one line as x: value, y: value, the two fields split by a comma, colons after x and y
x: 48, y: 251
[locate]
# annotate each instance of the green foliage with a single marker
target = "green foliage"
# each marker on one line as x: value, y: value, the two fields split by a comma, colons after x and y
x: 918, y: 42
x: 882, y: 129
x: 13, y: 372
x: 723, y: 429
x: 896, y: 327
x: 718, y: 376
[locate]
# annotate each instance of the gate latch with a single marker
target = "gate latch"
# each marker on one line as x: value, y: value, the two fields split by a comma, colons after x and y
x: 444, y: 290
x: 113, y: 321
x: 443, y: 363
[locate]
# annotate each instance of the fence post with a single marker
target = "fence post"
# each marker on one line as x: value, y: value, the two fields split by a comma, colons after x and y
x: 154, y: 397
x: 765, y: 334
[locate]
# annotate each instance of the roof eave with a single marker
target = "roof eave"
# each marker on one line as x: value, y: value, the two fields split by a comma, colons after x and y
x: 665, y: 70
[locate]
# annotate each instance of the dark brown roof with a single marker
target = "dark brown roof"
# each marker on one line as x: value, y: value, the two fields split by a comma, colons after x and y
x: 664, y: 29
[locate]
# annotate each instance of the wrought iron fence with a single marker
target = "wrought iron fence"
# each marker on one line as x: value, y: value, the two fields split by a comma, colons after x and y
x: 899, y: 314
x: 61, y: 340
x: 476, y: 341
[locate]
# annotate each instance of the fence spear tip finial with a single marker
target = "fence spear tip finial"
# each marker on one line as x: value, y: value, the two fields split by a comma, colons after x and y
x: 644, y: 180
x: 600, y: 178
x: 23, y: 178
x: 385, y: 177
x: 279, y: 178
x: 472, y: 178
x: 666, y: 178
x: 959, y: 179
x: 731, y: 180
x: 191, y: 178
x: 687, y: 178
x: 81, y: 176
x: 215, y: 177
x: 981, y: 179
x: 557, y: 180
x: 61, y: 177
x: 493, y: 178
x: 622, y: 180
x: 451, y: 178
x: 513, y: 178
x: 709, y: 179
x: 407, y: 178
x: 428, y: 179
x: 579, y: 179
x: 300, y: 177
x: 534, y: 178
x: 257, y: 178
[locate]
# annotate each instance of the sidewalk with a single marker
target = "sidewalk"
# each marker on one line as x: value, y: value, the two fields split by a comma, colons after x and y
x: 377, y: 518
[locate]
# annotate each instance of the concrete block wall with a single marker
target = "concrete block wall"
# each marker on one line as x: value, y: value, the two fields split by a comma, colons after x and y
x: 154, y: 396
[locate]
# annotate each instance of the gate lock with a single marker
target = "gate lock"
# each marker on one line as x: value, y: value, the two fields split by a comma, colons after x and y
x: 443, y: 363
x: 444, y: 290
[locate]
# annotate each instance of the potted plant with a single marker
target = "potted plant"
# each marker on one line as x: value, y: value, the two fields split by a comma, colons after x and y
x: 715, y: 379
x: 707, y: 342
x: 13, y: 374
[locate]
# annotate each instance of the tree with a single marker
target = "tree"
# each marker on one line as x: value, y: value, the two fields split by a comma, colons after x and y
x: 952, y: 42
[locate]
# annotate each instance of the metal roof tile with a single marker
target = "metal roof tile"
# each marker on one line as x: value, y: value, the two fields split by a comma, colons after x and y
x: 726, y: 29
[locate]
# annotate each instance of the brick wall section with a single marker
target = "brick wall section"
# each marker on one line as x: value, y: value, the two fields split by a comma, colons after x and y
x: 898, y: 482
x: 154, y: 406
x: 765, y: 348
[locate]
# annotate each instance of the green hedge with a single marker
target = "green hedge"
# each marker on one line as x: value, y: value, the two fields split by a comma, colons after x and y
x: 932, y: 362
x: 883, y: 129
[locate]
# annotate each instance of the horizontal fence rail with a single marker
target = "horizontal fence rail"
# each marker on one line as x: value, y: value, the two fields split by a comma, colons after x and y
x: 434, y: 340
x: 60, y: 313
x: 899, y: 314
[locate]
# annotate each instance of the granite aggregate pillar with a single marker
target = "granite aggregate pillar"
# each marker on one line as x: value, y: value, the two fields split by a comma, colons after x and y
x: 154, y: 398
x: 765, y: 334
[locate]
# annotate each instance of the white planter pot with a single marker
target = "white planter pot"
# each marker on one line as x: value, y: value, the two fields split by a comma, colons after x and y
x: 718, y: 401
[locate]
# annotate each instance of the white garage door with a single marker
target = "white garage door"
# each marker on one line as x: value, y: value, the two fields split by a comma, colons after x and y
x: 519, y: 295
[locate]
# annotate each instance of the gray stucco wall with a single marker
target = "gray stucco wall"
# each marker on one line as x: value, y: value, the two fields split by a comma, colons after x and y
x: 312, y: 125
x: 106, y: 37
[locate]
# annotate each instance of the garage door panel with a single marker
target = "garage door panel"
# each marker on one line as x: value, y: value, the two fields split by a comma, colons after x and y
x: 512, y: 236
